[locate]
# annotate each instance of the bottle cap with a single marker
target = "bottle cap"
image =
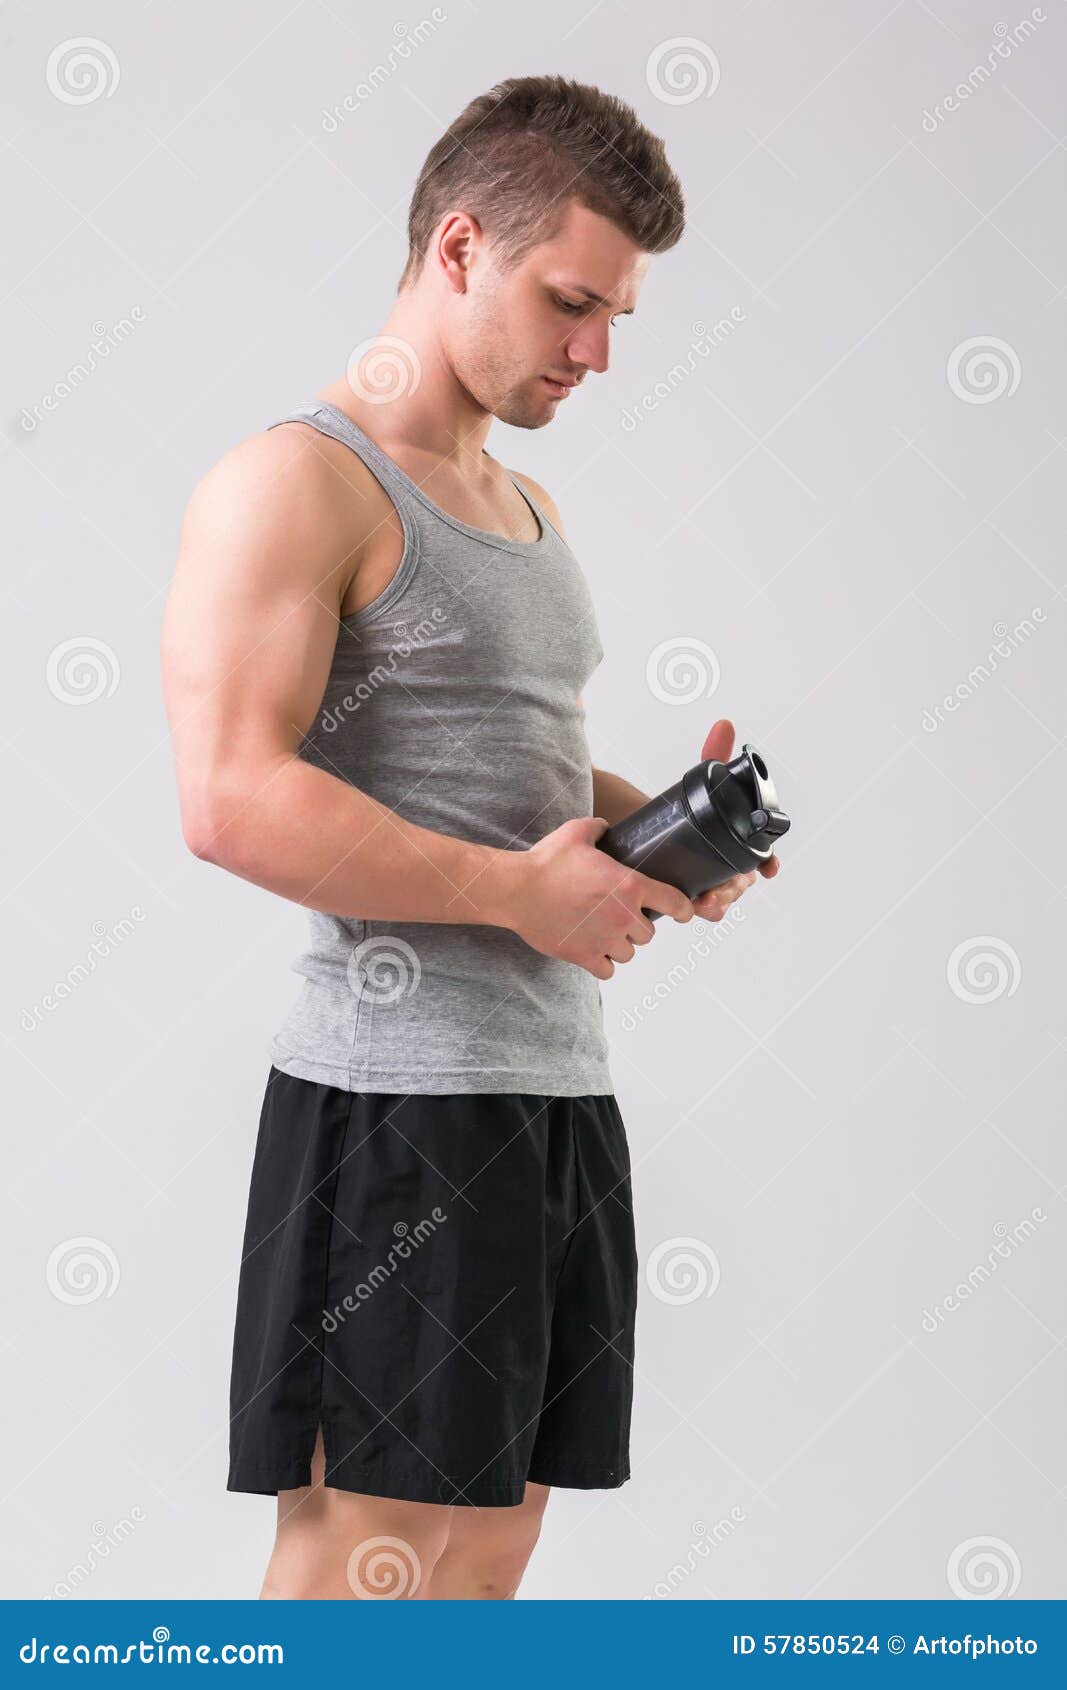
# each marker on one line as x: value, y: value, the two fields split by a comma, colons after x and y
x: 735, y: 807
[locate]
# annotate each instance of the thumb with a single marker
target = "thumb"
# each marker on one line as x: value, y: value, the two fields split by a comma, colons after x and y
x: 719, y: 745
x: 590, y: 828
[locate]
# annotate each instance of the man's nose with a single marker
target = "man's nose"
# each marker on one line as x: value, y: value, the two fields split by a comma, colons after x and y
x: 588, y: 346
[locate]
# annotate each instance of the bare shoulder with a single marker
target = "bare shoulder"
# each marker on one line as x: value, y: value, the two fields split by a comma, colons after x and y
x: 543, y: 498
x: 280, y: 471
x: 286, y: 498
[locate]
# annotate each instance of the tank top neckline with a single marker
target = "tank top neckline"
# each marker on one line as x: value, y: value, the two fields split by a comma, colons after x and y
x: 528, y: 548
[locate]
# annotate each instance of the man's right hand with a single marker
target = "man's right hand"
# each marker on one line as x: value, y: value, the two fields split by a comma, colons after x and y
x: 567, y: 899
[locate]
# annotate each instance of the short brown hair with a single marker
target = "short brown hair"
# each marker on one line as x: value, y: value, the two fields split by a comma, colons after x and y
x: 519, y: 153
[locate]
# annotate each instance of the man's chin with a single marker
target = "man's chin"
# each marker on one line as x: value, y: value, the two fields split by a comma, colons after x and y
x: 524, y: 412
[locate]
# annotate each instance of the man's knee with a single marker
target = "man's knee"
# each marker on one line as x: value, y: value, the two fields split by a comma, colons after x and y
x: 350, y: 1548
x: 492, y: 1568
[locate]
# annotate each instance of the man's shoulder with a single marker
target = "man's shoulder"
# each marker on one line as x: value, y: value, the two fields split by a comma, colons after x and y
x: 289, y: 478
x: 542, y: 497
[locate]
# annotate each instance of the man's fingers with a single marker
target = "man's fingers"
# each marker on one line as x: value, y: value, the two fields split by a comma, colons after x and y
x: 665, y: 900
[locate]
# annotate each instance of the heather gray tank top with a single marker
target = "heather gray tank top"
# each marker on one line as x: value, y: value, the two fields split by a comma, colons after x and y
x: 453, y: 698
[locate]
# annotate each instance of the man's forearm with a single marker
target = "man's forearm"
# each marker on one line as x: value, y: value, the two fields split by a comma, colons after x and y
x: 614, y: 797
x: 309, y: 836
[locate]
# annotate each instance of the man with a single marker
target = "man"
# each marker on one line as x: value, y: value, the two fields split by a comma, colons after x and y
x: 375, y: 648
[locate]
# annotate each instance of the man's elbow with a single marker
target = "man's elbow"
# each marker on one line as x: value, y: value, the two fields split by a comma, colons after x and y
x: 204, y: 836
x: 211, y: 826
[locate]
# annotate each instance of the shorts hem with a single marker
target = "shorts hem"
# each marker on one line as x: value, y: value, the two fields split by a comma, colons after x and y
x: 566, y: 1474
x: 268, y: 1479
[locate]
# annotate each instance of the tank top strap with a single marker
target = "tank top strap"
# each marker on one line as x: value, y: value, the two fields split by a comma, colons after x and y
x: 329, y: 420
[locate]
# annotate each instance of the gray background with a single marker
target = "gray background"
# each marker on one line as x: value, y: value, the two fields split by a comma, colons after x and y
x: 844, y: 1101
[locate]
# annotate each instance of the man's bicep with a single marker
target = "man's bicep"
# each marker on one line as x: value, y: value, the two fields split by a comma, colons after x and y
x: 251, y: 620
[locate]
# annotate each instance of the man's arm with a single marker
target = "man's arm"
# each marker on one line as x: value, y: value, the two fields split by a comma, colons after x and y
x: 250, y: 627
x: 265, y: 560
x: 614, y: 797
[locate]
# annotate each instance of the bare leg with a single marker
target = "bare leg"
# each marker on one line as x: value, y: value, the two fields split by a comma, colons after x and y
x: 334, y: 1544
x: 487, y: 1549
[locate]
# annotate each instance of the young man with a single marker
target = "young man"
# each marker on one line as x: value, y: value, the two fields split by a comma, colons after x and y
x: 375, y: 648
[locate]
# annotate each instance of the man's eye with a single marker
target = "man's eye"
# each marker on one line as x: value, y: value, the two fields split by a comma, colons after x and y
x: 568, y: 304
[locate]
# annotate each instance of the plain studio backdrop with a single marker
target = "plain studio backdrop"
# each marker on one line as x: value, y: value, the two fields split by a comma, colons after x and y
x: 820, y: 491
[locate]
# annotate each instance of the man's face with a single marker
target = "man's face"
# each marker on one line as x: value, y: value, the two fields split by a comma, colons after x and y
x: 548, y: 317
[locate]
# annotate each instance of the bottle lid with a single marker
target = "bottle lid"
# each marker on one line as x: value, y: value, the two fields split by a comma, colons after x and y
x: 736, y: 808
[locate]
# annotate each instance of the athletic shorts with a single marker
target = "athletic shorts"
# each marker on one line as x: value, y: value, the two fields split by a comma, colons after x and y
x: 445, y: 1284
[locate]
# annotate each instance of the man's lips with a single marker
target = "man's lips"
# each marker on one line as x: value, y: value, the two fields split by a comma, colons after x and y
x: 559, y: 387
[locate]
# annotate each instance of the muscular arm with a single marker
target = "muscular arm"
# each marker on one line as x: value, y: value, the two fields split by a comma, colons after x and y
x: 251, y: 621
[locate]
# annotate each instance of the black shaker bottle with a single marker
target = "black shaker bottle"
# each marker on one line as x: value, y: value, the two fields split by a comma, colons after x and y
x: 719, y: 820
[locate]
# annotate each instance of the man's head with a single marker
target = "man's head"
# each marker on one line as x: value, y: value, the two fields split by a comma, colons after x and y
x: 530, y: 229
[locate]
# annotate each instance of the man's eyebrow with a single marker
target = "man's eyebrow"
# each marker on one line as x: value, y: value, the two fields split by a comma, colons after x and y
x: 595, y: 299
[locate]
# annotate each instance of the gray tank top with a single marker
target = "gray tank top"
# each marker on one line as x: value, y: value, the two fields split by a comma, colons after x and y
x: 453, y: 698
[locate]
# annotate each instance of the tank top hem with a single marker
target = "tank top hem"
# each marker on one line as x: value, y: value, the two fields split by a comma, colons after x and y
x: 589, y: 1082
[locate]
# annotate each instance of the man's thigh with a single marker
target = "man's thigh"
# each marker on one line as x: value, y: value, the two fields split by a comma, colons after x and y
x: 335, y: 1544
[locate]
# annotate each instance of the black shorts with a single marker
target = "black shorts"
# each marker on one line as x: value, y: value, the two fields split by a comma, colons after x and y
x: 445, y: 1284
